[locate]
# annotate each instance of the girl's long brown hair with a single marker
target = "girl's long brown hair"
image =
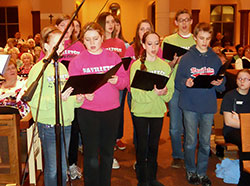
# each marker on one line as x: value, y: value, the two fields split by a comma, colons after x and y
x: 137, y: 42
x: 63, y: 18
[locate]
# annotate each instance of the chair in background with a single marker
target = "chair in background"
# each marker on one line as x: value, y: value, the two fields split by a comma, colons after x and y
x: 245, y: 139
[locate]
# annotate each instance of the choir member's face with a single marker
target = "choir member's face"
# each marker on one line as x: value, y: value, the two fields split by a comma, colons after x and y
x: 184, y: 22
x: 151, y: 45
x: 93, y: 41
x: 144, y: 27
x: 53, y: 39
x: 117, y: 28
x: 77, y: 28
x: 62, y: 27
x: 202, y: 41
x: 110, y: 24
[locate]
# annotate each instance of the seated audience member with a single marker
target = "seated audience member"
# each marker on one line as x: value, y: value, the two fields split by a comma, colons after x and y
x: 27, y: 60
x: 10, y: 44
x: 12, y: 89
x: 37, y: 52
x: 243, y: 62
x: 37, y: 39
x: 235, y: 102
x: 19, y: 45
x: 29, y: 37
x: 218, y: 40
x: 226, y: 47
x: 239, y: 49
x: 32, y: 45
x: 220, y: 54
x: 18, y: 37
x: 23, y: 49
x: 14, y: 52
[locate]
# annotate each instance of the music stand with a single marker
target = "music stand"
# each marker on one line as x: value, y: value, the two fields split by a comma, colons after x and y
x: 4, y: 61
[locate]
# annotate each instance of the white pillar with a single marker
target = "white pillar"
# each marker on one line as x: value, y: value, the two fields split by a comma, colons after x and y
x: 162, y: 17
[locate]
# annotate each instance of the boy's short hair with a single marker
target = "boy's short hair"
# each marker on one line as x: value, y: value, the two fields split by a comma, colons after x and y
x: 182, y: 11
x: 205, y: 27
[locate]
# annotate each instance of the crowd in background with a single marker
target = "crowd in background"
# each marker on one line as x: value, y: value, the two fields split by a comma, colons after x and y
x: 102, y: 43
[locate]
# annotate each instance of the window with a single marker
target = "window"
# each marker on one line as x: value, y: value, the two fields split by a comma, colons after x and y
x: 8, y: 23
x: 222, y: 19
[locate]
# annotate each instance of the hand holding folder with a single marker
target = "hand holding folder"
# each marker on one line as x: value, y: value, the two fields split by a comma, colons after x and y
x: 86, y: 84
x: 204, y: 81
x: 146, y: 80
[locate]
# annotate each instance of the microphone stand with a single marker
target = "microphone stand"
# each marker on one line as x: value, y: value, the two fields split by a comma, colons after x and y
x: 31, y: 90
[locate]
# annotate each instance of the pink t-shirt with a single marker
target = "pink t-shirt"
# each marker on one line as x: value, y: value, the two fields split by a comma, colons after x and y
x: 106, y: 97
x: 115, y: 45
x: 70, y: 52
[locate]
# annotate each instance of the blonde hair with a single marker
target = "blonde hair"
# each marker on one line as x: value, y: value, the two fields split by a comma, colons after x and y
x: 13, y: 50
x: 46, y: 34
x: 26, y: 54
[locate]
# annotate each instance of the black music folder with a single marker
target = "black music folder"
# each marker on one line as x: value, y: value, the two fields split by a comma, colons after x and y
x: 169, y: 51
x: 86, y: 84
x: 4, y: 61
x: 204, y: 81
x: 146, y: 80
x: 66, y: 63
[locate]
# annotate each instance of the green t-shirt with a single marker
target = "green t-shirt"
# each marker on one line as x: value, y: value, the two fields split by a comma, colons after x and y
x: 148, y: 103
x: 177, y: 40
x: 47, y: 105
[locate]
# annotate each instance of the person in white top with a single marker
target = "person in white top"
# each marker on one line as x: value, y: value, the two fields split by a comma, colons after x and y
x: 243, y: 62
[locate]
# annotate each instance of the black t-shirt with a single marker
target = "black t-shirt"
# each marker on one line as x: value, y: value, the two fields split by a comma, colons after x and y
x: 233, y: 101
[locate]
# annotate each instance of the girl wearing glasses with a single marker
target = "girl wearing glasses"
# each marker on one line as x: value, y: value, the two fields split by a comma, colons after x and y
x: 235, y: 102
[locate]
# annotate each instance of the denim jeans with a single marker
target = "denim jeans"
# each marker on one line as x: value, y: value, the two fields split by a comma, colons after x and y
x: 193, y: 120
x: 48, y: 140
x: 176, y: 125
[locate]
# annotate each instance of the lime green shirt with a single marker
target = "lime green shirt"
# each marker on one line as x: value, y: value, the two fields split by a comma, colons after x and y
x: 177, y: 40
x: 46, y: 113
x: 148, y: 103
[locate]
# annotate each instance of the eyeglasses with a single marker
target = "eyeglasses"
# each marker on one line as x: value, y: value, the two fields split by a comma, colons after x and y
x: 184, y: 20
x: 243, y: 79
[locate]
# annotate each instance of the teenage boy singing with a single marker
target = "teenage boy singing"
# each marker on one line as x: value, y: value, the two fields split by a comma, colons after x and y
x: 184, y: 39
x: 198, y: 104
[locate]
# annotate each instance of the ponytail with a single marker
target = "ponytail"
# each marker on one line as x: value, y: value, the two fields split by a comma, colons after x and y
x: 142, y: 59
